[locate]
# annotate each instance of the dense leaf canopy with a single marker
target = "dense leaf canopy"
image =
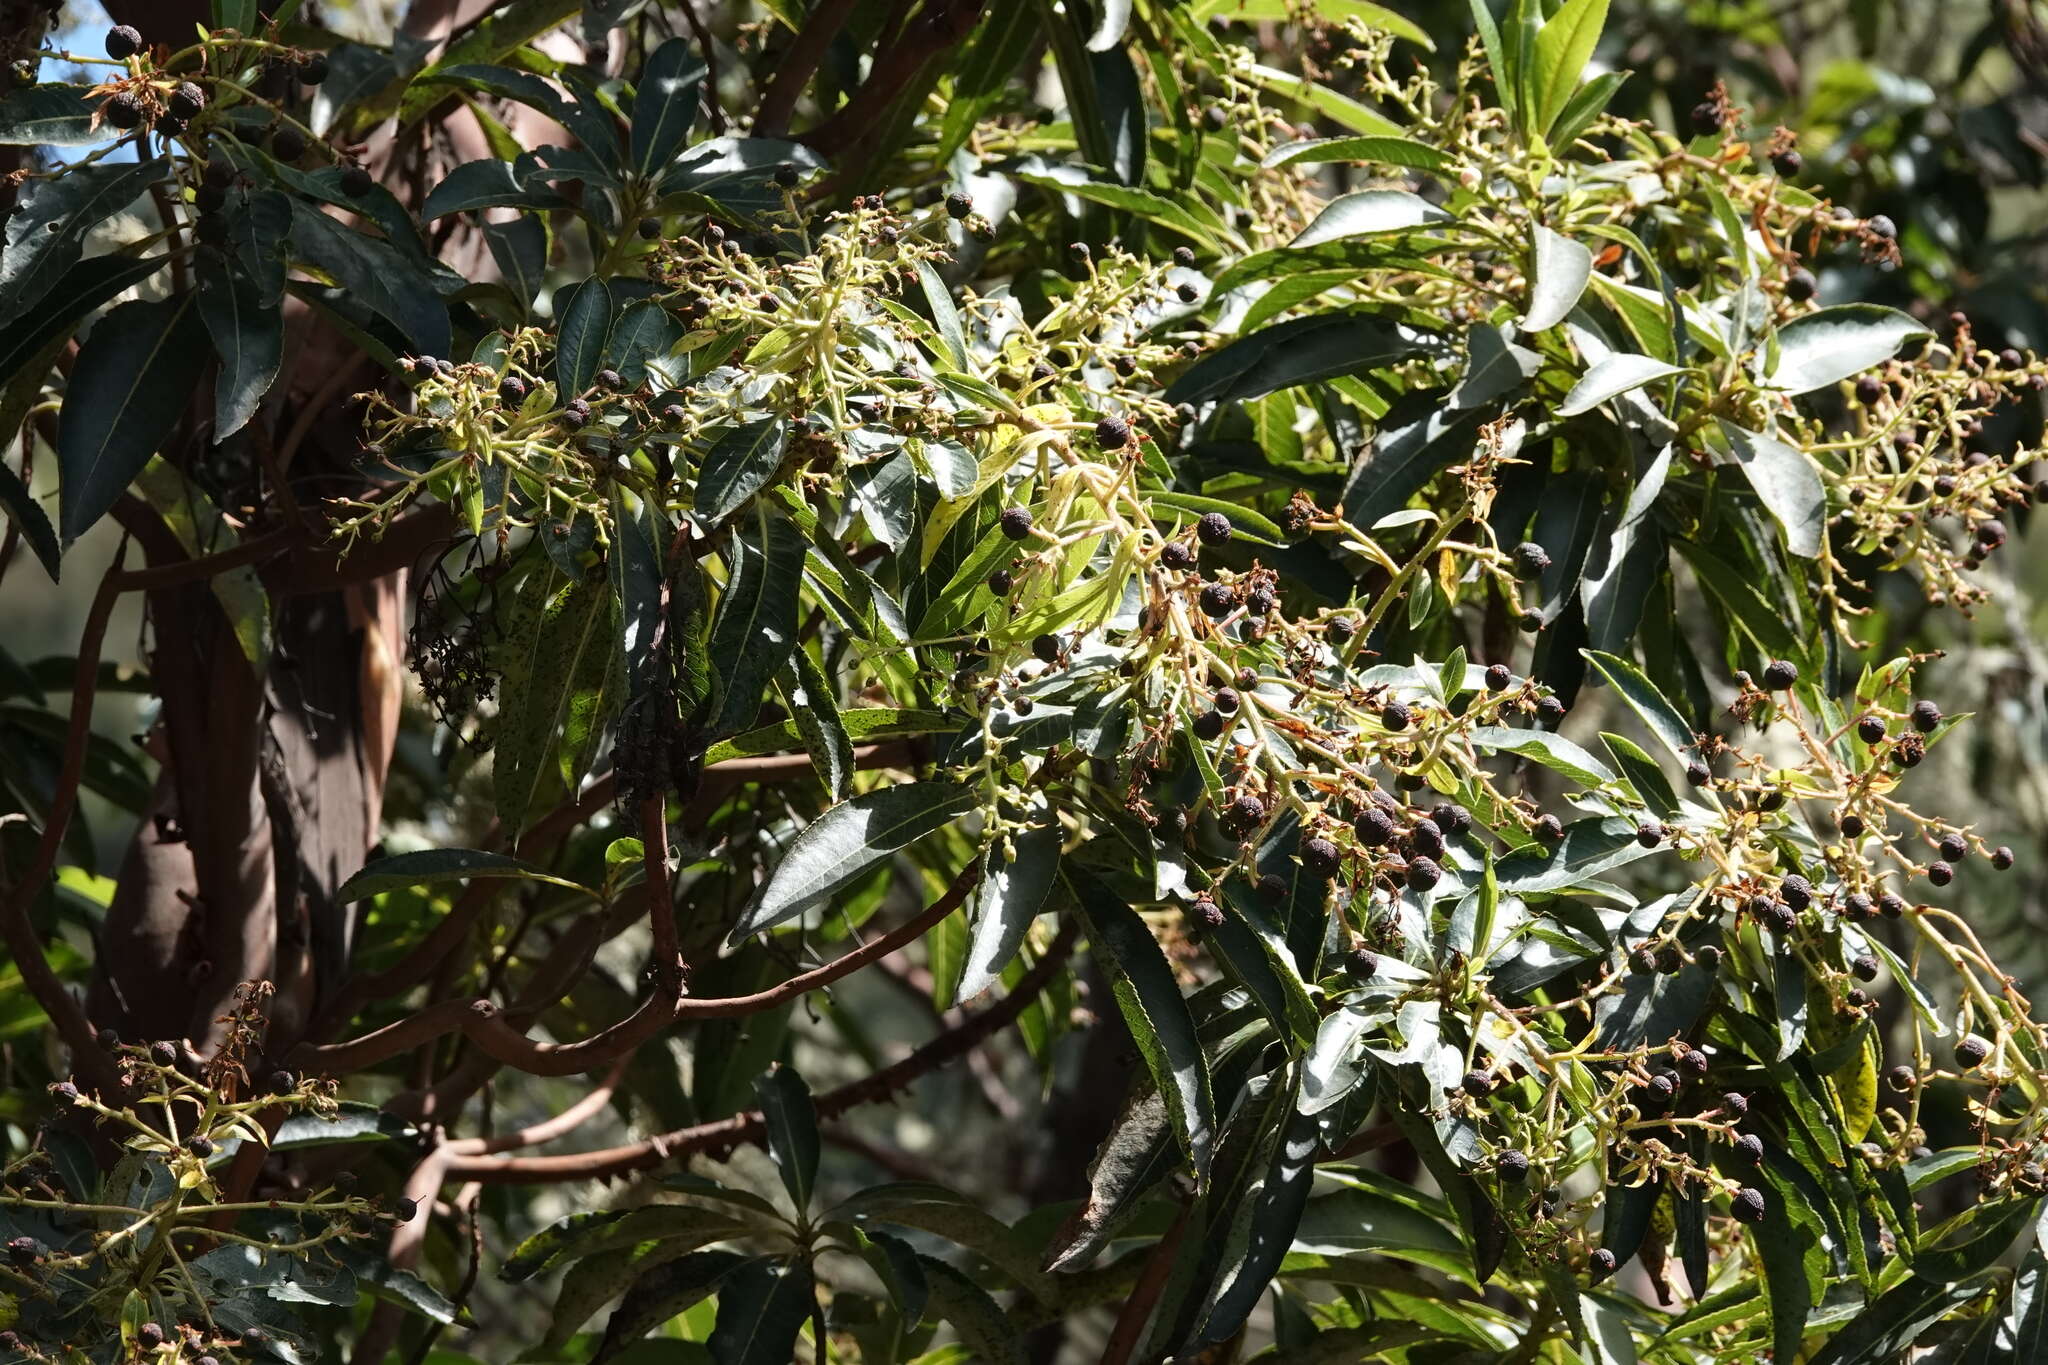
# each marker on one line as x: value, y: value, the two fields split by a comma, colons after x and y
x: 1170, y: 679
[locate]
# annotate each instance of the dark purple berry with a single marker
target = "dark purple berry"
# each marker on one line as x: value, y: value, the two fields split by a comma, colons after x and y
x: 1780, y: 674
x: 123, y: 42
x: 1747, y: 1205
x: 1213, y: 529
x: 1016, y: 522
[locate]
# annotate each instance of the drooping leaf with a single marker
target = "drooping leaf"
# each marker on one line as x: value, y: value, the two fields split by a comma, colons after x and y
x: 756, y: 624
x: 1014, y: 892
x: 1786, y: 483
x: 792, y: 1125
x: 51, y: 116
x: 384, y: 279
x: 1562, y: 268
x: 1616, y: 374
x: 133, y: 377
x: 1156, y: 1014
x: 556, y: 647
x: 247, y: 335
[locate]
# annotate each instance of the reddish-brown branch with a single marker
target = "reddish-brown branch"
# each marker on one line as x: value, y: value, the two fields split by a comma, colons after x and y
x: 1137, y: 1309
x: 661, y: 906
x: 793, y: 73
x: 481, y: 1022
x: 747, y: 1127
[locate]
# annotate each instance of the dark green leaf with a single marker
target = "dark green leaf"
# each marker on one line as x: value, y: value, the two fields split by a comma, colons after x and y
x: 29, y: 518
x: 133, y: 377
x: 556, y: 647
x: 756, y: 624
x: 665, y: 104
x: 792, y: 1126
x: 487, y: 184
x: 51, y: 116
x: 981, y: 1323
x: 383, y: 278
x: 762, y: 1307
x: 248, y: 337
x: 738, y: 465
x: 1014, y: 892
x: 1298, y: 351
x: 1420, y: 436
x: 46, y: 233
x: 586, y: 324
x: 1155, y: 1012
x: 432, y: 866
x: 846, y: 841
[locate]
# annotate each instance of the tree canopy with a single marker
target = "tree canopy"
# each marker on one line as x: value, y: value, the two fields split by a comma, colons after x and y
x: 924, y: 681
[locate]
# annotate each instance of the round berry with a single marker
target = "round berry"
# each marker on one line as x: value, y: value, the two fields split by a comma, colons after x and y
x: 1423, y: 873
x: 1512, y: 1165
x: 1362, y: 963
x: 2001, y: 859
x: 1208, y: 726
x: 1319, y: 858
x: 313, y: 70
x: 1858, y: 908
x: 283, y: 1082
x: 1184, y: 257
x: 1477, y: 1084
x: 1601, y: 1262
x: 1971, y: 1052
x: 1272, y: 888
x: 1227, y: 701
x: 406, y: 1210
x: 512, y: 391
x: 1650, y: 833
x: 1940, y: 873
x: 1549, y: 828
x: 123, y: 42
x: 1187, y: 293
x: 65, y: 1093
x: 356, y: 182
x: 199, y: 1145
x: 1213, y: 529
x: 1016, y: 522
x: 1338, y: 630
x: 1112, y: 433
x: 1426, y: 838
x: 1499, y: 677
x: 1396, y: 716
x: 186, y: 101
x: 1954, y: 847
x: 1750, y: 1148
x: 1709, y: 956
x: 1870, y: 729
x: 1450, y: 817
x: 1531, y: 559
x: 287, y: 143
x: 787, y: 177
x: 1697, y: 774
x: 1706, y: 118
x: 1374, y: 829
x: 1877, y: 225
x: 1800, y: 285
x: 1736, y: 1104
x: 1788, y: 162
x: 958, y: 206
x: 1550, y: 711
x: 1901, y: 1078
x: 1797, y: 891
x: 1780, y: 674
x: 124, y: 111
x: 1046, y: 648
x: 649, y: 229
x: 163, y: 1053
x: 1869, y: 389
x: 1925, y: 715
x: 1001, y: 581
x: 1218, y: 600
x: 1747, y: 1205
x: 1864, y: 968
x: 1176, y: 555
